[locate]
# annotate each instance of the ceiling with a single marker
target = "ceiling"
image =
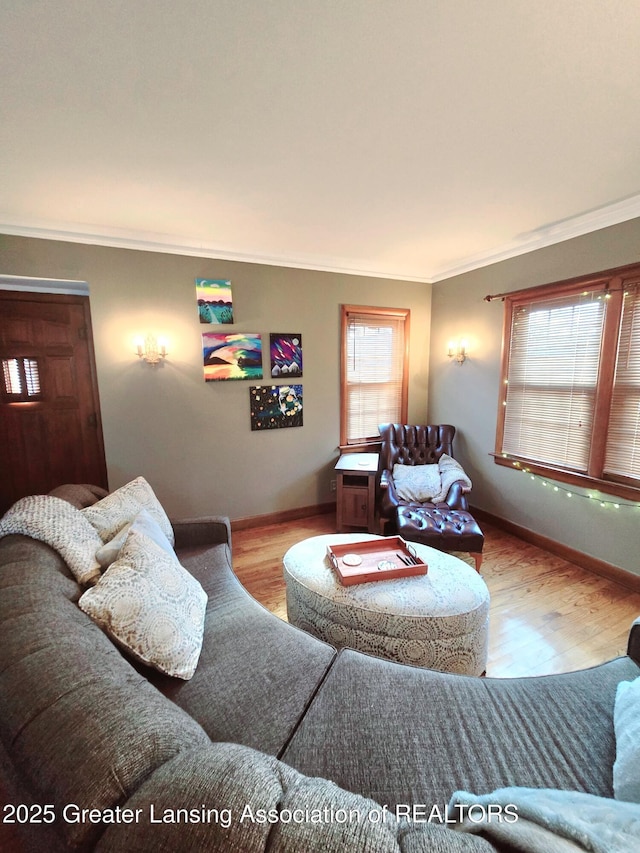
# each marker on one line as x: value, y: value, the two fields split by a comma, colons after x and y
x: 412, y: 139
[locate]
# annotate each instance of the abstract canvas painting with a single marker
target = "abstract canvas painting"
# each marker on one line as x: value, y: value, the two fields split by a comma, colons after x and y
x: 276, y: 406
x: 215, y: 304
x: 236, y: 356
x: 286, y: 355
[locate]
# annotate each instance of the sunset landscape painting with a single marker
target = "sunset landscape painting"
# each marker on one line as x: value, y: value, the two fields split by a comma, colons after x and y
x: 231, y: 356
x: 215, y: 302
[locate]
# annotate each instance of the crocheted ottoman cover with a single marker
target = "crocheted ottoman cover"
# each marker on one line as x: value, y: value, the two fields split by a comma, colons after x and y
x: 439, y: 620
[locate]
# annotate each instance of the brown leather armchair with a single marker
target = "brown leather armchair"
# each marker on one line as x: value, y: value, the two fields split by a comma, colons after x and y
x: 407, y: 444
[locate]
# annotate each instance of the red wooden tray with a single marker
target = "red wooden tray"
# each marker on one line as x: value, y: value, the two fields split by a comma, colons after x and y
x: 375, y: 560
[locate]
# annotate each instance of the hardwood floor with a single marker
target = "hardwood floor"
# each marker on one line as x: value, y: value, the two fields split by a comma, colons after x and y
x: 547, y: 615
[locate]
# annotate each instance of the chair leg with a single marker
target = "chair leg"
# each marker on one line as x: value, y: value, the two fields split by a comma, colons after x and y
x: 478, y: 560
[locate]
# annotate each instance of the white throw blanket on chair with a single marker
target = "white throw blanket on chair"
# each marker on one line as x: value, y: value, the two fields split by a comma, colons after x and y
x: 422, y: 483
x: 450, y: 472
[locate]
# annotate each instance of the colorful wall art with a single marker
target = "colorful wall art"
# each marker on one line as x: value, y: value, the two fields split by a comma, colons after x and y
x: 276, y: 406
x: 215, y: 304
x: 231, y: 356
x: 286, y: 355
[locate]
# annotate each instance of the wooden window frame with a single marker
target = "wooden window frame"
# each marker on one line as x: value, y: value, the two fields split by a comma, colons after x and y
x: 369, y: 443
x: 612, y: 284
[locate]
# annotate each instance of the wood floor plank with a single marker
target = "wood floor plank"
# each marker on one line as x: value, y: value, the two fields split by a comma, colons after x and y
x: 547, y: 615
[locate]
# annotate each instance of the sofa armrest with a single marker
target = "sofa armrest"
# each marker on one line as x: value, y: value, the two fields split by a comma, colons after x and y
x: 235, y: 798
x: 388, y: 496
x: 80, y: 495
x: 633, y: 648
x: 200, y: 532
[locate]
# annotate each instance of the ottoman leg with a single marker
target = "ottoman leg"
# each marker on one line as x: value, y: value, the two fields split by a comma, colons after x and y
x: 478, y: 560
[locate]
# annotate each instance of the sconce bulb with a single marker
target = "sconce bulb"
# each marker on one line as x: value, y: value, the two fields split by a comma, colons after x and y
x: 151, y: 349
x: 458, y: 350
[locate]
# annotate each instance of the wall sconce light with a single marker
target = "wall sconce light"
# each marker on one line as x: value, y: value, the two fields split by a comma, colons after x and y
x: 151, y: 349
x: 457, y: 350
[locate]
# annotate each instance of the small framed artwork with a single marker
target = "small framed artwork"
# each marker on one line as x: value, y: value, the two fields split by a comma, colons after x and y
x: 275, y: 406
x: 235, y: 356
x: 286, y: 355
x: 215, y: 303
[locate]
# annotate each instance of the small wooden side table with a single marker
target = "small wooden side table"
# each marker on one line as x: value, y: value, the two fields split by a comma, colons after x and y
x: 356, y: 491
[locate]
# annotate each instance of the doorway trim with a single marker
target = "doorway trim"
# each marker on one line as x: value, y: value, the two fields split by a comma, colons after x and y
x: 28, y: 284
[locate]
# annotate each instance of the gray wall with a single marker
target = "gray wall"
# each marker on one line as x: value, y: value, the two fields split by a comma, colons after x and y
x: 467, y: 395
x: 192, y: 440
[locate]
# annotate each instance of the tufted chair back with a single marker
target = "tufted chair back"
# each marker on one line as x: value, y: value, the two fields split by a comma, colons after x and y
x: 407, y: 444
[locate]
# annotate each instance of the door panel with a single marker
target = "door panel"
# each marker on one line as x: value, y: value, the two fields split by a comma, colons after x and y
x: 54, y: 436
x: 62, y: 379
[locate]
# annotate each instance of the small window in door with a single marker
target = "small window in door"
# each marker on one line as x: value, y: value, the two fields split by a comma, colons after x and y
x: 20, y: 379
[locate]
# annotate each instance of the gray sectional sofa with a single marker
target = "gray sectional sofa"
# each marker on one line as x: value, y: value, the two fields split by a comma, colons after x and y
x: 277, y: 743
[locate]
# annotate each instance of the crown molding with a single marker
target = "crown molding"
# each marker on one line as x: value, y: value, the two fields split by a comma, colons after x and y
x: 540, y: 238
x: 548, y: 235
x: 166, y: 244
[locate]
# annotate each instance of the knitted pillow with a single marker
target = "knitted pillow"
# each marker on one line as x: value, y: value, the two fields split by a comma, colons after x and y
x: 149, y: 604
x: 417, y: 483
x: 145, y: 523
x: 118, y: 509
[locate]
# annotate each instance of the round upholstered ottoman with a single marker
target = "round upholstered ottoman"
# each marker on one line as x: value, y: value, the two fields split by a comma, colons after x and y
x: 439, y: 620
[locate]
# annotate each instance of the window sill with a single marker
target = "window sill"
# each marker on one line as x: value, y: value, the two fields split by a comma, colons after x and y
x: 372, y: 446
x: 621, y: 490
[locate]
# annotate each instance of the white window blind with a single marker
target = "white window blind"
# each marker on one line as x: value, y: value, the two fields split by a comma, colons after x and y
x: 11, y: 376
x: 374, y: 373
x: 21, y: 378
x: 623, y: 441
x: 554, y: 357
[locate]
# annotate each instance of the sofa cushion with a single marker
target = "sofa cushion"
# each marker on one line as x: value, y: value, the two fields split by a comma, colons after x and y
x: 626, y: 770
x: 119, y: 508
x: 151, y: 606
x: 553, y: 731
x: 250, y: 660
x: 55, y: 521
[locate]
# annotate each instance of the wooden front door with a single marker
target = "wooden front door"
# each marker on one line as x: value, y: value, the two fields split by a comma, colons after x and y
x: 50, y: 425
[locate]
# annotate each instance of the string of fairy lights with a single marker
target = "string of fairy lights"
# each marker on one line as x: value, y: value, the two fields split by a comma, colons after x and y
x: 595, y: 497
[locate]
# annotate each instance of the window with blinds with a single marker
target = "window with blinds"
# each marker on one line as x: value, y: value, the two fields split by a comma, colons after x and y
x: 623, y: 441
x: 374, y: 371
x: 570, y: 405
x: 554, y: 358
x: 20, y: 379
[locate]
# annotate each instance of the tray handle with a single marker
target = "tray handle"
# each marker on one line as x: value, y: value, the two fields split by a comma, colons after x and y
x: 412, y: 552
x: 333, y: 559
